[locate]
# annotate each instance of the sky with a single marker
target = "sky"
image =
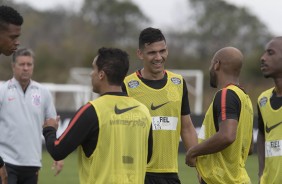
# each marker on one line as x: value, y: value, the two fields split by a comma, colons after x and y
x: 170, y: 13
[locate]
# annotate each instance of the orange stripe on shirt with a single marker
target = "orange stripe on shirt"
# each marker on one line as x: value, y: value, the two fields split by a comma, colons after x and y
x: 71, y: 124
x: 138, y: 74
x: 223, y: 104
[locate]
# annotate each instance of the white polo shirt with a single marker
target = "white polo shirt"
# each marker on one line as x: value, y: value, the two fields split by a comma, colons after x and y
x: 21, y: 118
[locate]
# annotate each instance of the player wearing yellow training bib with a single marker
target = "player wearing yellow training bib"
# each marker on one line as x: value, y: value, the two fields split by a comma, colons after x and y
x: 270, y: 125
x: 165, y: 95
x: 112, y: 133
x: 269, y: 140
x: 225, y: 137
x: 227, y: 166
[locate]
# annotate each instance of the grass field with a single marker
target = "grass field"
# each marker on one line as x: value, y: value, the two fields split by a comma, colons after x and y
x: 69, y: 175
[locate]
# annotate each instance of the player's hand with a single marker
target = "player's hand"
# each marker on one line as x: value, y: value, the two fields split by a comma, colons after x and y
x: 4, y: 175
x: 58, y: 166
x: 52, y: 122
x: 199, y: 177
x: 190, y: 160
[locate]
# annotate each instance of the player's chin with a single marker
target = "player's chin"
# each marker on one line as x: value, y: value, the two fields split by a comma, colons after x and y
x: 8, y: 53
x: 266, y: 74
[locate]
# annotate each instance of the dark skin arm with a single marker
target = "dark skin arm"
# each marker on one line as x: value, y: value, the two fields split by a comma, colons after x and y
x: 260, y: 143
x: 251, y: 146
x: 3, y: 172
x: 188, y: 134
x: 4, y: 175
x: 219, y: 141
x: 261, y: 152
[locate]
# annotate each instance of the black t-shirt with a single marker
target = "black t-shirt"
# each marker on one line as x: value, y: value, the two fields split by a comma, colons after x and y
x: 276, y: 103
x: 158, y: 84
x: 226, y: 106
x: 83, y: 130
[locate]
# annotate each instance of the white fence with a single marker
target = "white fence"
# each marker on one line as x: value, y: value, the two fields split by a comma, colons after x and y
x: 70, y: 97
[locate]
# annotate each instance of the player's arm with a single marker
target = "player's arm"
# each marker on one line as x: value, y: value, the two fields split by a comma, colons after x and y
x: 251, y: 150
x: 226, y: 108
x: 3, y: 172
x: 188, y: 132
x: 189, y: 137
x: 150, y: 145
x: 221, y: 140
x: 260, y: 143
x: 82, y: 125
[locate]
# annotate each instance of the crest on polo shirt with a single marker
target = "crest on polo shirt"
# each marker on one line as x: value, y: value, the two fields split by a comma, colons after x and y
x: 36, y: 99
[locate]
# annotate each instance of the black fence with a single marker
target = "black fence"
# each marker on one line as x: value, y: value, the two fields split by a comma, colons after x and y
x: 197, y: 121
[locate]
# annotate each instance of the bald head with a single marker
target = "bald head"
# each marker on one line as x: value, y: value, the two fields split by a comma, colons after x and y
x: 231, y: 60
x: 275, y: 43
x: 278, y: 38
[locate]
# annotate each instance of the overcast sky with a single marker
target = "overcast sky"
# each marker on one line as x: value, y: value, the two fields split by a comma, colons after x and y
x: 170, y: 13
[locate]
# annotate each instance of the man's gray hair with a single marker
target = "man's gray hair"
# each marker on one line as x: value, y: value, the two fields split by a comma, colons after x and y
x: 22, y: 52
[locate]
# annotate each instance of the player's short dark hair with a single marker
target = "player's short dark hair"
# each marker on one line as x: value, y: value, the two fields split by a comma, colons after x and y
x: 22, y: 52
x: 1, y: 162
x: 114, y: 62
x: 8, y: 15
x: 149, y: 36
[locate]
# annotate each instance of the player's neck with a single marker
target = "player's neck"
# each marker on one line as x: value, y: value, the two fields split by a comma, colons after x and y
x: 278, y: 86
x: 152, y: 76
x: 110, y: 88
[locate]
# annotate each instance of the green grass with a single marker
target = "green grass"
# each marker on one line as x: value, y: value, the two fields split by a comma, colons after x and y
x: 69, y: 173
x: 189, y: 175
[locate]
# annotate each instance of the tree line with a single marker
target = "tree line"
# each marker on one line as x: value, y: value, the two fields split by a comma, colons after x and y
x: 63, y: 39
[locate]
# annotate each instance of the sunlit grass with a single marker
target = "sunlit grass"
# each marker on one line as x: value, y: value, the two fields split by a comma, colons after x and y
x: 69, y: 175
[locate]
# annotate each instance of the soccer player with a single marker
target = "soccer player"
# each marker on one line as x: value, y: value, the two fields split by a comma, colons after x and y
x: 269, y: 140
x: 226, y: 134
x: 112, y: 132
x: 10, y: 30
x: 24, y: 105
x: 166, y: 96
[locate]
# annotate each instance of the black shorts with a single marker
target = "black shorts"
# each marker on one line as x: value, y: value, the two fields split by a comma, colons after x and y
x: 22, y: 174
x: 162, y: 178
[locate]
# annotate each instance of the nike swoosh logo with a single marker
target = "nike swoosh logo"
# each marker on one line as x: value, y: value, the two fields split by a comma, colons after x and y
x: 11, y: 98
x: 268, y: 129
x: 158, y: 106
x: 120, y: 111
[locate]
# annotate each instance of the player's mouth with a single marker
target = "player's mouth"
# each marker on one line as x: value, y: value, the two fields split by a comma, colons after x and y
x: 263, y: 66
x: 158, y: 63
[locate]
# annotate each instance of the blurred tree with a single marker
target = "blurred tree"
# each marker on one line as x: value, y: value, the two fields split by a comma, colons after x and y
x: 63, y: 39
x: 216, y: 24
x: 117, y: 22
x: 211, y: 26
x: 220, y: 24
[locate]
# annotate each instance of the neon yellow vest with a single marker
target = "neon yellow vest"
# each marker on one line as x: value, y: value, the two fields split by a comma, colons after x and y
x: 122, y: 147
x: 228, y: 165
x: 273, y: 139
x: 165, y: 108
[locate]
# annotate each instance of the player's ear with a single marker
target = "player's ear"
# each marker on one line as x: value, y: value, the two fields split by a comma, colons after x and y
x: 101, y: 74
x: 217, y: 65
x: 139, y: 54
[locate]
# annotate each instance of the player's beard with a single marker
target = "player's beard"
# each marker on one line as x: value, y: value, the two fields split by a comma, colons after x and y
x: 213, y: 79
